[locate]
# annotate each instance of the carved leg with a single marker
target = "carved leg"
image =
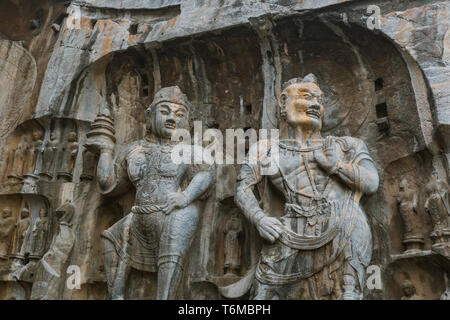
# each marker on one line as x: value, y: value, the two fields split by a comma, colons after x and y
x: 169, y: 275
x: 118, y: 288
x: 110, y: 261
x: 264, y: 292
x: 116, y: 271
x: 349, y: 281
x: 176, y: 238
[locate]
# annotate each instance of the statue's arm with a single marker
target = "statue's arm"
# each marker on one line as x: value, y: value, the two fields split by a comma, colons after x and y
x: 200, y: 182
x: 245, y: 198
x: 105, y: 170
x: 269, y: 228
x: 357, y: 170
x: 198, y: 185
x: 362, y: 176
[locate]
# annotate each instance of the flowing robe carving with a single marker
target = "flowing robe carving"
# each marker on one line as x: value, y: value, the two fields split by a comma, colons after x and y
x: 20, y: 235
x: 7, y: 225
x: 232, y: 246
x: 39, y: 236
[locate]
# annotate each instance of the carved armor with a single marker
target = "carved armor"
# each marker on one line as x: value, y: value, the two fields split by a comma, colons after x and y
x: 150, y: 234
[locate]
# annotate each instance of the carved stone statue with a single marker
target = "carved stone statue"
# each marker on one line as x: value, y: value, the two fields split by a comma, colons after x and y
x: 39, y: 234
x: 89, y: 164
x: 21, y: 231
x: 7, y: 225
x: 323, y: 240
x: 407, y: 206
x: 409, y: 291
x: 18, y: 162
x: 50, y: 150
x: 437, y: 206
x: 54, y: 262
x: 34, y: 156
x: 70, y: 152
x: 232, y: 246
x: 157, y: 233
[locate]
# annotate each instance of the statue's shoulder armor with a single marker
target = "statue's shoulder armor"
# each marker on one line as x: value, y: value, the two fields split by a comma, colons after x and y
x: 128, y: 150
x: 351, y: 143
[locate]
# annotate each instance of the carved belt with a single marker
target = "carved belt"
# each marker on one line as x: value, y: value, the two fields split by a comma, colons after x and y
x: 299, y: 242
x: 309, y: 209
x: 145, y: 209
x: 319, y: 207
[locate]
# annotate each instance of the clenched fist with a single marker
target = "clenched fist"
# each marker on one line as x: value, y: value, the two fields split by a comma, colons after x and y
x: 269, y: 228
x: 98, y: 144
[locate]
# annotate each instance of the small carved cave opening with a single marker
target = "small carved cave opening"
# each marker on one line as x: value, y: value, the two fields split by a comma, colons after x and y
x: 378, y: 84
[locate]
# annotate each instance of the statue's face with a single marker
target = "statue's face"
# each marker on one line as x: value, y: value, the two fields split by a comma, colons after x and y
x: 167, y: 118
x: 36, y: 135
x: 43, y: 213
x: 403, y: 185
x: 72, y: 136
x: 303, y: 103
x: 24, y: 214
x: 6, y: 213
x: 408, y: 289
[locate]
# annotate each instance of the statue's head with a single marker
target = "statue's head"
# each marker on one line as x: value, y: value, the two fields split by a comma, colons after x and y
x: 408, y: 288
x: 72, y: 136
x: 301, y: 103
x: 37, y: 135
x: 436, y: 185
x: 43, y: 212
x: 169, y: 111
x: 24, y: 213
x: 403, y: 184
x: 7, y: 212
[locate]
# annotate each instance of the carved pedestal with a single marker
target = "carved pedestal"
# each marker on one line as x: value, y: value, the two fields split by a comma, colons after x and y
x: 30, y: 184
x: 413, y: 243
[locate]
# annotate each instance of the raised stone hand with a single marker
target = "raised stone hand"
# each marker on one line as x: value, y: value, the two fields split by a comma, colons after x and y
x: 99, y: 144
x: 269, y: 228
x: 101, y: 136
x: 175, y: 200
x: 327, y: 158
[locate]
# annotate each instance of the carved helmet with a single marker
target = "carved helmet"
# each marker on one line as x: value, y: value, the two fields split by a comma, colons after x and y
x: 173, y: 95
x: 169, y: 94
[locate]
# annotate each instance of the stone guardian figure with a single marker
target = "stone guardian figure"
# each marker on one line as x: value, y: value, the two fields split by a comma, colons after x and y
x: 232, y: 246
x: 21, y: 232
x: 7, y: 225
x: 53, y: 265
x: 39, y: 234
x: 319, y: 248
x: 49, y: 155
x: 69, y: 155
x: 157, y: 233
x: 438, y: 207
x: 18, y: 164
x: 407, y: 206
x: 34, y: 157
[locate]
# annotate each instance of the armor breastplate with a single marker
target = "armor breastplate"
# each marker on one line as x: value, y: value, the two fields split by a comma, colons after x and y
x: 154, y: 174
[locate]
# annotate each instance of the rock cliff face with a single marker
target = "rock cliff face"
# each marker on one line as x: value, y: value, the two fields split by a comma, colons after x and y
x: 384, y: 68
